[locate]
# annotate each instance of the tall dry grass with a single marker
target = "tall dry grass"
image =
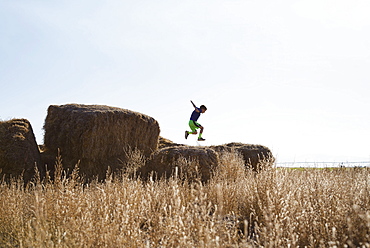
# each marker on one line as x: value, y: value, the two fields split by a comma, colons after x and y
x: 237, y: 208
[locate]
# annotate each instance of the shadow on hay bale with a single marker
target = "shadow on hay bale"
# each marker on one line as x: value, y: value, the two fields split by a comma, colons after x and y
x: 192, y: 163
x: 256, y: 157
x: 97, y: 136
x: 19, y: 152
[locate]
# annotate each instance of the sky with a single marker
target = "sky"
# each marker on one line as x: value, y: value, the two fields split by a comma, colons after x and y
x: 289, y: 75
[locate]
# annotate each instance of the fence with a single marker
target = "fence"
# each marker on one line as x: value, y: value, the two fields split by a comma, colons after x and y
x: 323, y: 164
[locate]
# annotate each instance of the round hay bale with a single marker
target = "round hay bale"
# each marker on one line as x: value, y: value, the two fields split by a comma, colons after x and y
x: 19, y: 152
x: 191, y: 162
x: 163, y: 143
x: 256, y: 157
x: 97, y: 136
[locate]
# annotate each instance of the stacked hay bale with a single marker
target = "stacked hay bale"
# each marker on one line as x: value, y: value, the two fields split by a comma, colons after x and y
x: 163, y: 143
x: 193, y: 161
x: 189, y: 162
x: 97, y: 136
x: 19, y: 152
x: 256, y: 157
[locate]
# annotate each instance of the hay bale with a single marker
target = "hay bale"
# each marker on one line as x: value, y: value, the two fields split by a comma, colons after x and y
x: 163, y: 143
x: 98, y: 136
x: 256, y: 157
x: 192, y: 162
x: 19, y: 152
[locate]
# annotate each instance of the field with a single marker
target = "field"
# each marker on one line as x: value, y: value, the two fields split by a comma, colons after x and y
x: 237, y: 208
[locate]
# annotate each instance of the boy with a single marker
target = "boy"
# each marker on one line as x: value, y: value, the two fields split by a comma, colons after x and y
x: 193, y: 124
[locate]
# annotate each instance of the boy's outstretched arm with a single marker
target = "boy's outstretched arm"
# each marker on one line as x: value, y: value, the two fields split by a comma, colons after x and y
x: 193, y: 104
x: 196, y: 109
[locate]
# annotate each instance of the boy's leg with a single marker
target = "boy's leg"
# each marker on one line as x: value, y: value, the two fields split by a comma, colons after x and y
x: 193, y: 126
x: 201, y: 132
x: 193, y: 129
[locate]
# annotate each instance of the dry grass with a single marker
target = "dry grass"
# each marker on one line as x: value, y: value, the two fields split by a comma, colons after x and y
x: 236, y: 208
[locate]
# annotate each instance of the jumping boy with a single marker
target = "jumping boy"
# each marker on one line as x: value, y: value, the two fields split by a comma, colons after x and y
x: 193, y: 124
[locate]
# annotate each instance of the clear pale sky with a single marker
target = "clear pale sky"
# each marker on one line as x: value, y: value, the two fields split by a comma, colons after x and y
x: 290, y: 75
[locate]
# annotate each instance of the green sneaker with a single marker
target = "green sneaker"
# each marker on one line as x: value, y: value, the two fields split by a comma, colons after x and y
x: 201, y: 139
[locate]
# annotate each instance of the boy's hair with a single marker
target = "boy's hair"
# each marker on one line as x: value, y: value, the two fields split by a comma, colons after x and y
x: 203, y: 107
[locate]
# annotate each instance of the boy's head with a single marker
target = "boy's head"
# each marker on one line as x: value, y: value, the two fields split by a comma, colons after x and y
x: 203, y: 108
